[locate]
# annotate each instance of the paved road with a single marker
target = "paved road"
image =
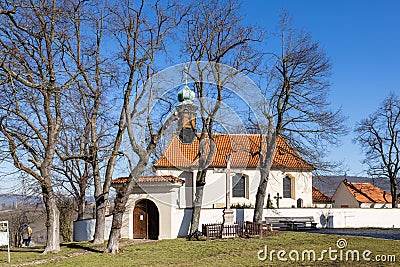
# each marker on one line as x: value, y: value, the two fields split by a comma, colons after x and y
x: 392, y: 234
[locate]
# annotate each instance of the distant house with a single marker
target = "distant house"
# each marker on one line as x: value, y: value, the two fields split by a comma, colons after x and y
x: 329, y: 184
x: 360, y: 195
x: 320, y: 200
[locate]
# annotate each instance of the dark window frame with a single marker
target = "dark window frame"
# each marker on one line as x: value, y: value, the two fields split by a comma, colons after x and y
x: 239, y: 185
x: 287, y: 187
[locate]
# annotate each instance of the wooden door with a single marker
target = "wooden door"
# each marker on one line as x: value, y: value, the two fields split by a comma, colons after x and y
x: 140, y: 220
x: 145, y: 220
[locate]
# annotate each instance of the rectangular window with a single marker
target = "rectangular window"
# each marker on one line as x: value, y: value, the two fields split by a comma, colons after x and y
x: 238, y: 186
x: 287, y: 187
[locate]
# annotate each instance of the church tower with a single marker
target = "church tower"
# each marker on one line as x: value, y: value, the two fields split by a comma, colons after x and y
x: 186, y: 115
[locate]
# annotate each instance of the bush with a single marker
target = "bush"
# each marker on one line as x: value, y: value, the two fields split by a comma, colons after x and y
x: 66, y: 208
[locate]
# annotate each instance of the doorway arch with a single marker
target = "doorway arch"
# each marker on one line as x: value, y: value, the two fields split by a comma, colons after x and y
x: 145, y: 220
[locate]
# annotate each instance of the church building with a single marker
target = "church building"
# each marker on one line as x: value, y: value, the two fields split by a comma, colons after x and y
x: 160, y: 206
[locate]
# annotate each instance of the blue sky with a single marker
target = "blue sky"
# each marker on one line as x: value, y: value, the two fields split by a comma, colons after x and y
x: 362, y: 39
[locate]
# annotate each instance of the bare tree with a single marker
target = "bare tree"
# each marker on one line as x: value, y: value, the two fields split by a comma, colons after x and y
x: 75, y: 177
x: 378, y: 135
x: 74, y: 47
x: 73, y: 164
x: 86, y: 127
x: 299, y: 111
x: 140, y: 32
x: 32, y: 85
x: 214, y: 33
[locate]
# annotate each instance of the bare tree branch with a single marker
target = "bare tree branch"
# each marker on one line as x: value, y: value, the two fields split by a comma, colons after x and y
x: 378, y: 136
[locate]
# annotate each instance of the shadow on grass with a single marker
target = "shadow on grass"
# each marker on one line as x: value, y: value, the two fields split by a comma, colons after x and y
x: 82, y: 247
x: 25, y: 249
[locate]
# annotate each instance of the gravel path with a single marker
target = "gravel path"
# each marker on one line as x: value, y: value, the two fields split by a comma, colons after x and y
x: 75, y: 254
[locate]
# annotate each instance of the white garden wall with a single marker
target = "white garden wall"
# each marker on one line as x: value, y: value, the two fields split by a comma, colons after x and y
x: 342, y: 218
x: 180, y: 220
x: 83, y: 230
x: 338, y: 218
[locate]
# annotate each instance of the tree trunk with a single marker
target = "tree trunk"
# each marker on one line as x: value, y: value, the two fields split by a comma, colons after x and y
x: 81, y: 209
x: 260, y: 197
x: 100, y: 219
x: 197, y: 202
x: 120, y: 203
x: 52, y: 221
x: 101, y: 197
x: 82, y: 201
x: 115, y: 234
x: 265, y: 168
x: 118, y: 212
x: 393, y: 189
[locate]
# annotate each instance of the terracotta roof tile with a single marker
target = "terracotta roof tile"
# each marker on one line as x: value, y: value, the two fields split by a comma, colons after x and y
x: 318, y: 196
x: 368, y: 193
x: 240, y: 146
x: 150, y: 179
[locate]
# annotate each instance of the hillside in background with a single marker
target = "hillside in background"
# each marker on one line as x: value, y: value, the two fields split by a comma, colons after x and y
x: 14, y: 201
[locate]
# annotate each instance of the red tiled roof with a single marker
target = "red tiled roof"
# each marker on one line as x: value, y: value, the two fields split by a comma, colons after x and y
x: 368, y: 193
x: 150, y: 179
x: 241, y: 147
x: 318, y: 196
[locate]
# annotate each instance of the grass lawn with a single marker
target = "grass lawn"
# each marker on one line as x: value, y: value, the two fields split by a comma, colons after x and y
x: 221, y: 252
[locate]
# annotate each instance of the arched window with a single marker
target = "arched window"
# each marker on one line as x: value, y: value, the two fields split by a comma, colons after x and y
x: 239, y: 186
x: 287, y: 187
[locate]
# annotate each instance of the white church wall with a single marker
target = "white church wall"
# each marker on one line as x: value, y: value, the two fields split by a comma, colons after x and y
x: 215, y: 188
x: 301, y: 188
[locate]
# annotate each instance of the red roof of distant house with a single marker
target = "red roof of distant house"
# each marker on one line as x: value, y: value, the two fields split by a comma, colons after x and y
x: 319, y: 197
x: 241, y: 147
x: 368, y: 193
x: 150, y: 179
